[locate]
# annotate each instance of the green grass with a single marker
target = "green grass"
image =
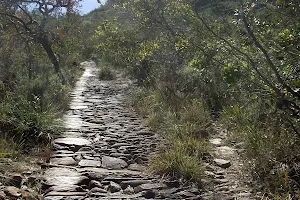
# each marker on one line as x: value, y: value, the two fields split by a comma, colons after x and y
x: 8, y: 148
x: 106, y: 73
x: 183, y: 156
x: 271, y: 145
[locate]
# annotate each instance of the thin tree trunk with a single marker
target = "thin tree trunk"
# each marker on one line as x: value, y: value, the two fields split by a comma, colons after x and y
x: 47, y: 47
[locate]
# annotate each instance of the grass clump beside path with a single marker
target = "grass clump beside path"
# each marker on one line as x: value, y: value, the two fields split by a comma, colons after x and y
x: 184, y: 127
x: 106, y: 73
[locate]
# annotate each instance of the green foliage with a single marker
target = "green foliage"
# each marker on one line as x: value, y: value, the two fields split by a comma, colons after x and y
x: 8, y: 148
x: 271, y: 143
x: 32, y: 96
x: 195, y: 60
x: 106, y: 73
x: 185, y: 150
x: 176, y: 162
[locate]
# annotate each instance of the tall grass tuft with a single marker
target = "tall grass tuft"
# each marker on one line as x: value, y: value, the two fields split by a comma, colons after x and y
x: 185, y: 150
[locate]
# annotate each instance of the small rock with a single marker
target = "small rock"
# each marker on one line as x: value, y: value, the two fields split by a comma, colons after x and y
x: 133, y: 183
x: 32, y: 179
x: 65, y: 188
x: 222, y: 163
x: 12, y: 191
x: 216, y: 141
x: 220, y: 173
x: 63, y: 161
x: 129, y: 190
x: 26, y: 195
x: 149, y: 194
x: 114, y: 187
x: 64, y: 176
x: 98, y: 190
x: 95, y: 184
x: 185, y: 194
x: 149, y: 186
x: 173, y: 184
x: 209, y: 174
x: 2, y: 195
x: 89, y: 163
x: 71, y: 195
x: 113, y: 163
x: 16, y: 180
x: 72, y: 141
x: 220, y: 181
x: 243, y: 194
x: 85, y: 149
x: 136, y: 167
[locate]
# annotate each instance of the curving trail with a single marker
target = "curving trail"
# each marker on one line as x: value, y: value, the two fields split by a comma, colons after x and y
x: 104, y: 151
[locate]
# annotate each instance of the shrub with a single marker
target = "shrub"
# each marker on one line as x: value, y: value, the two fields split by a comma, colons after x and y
x: 271, y: 143
x: 106, y: 73
x: 185, y: 150
x: 182, y: 158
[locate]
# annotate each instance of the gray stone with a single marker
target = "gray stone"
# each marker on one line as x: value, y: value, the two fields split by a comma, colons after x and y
x: 220, y: 181
x: 2, y: 195
x: 72, y: 141
x: 150, y: 194
x: 216, y: 141
x: 149, y: 186
x: 16, y: 180
x: 12, y: 191
x: 222, y: 163
x: 94, y: 184
x: 185, y: 194
x: 63, y: 161
x: 62, y: 155
x: 63, y: 176
x: 114, y: 187
x: 65, y: 194
x: 113, y: 163
x: 136, y: 167
x: 133, y: 183
x: 129, y: 190
x: 98, y: 190
x: 65, y: 188
x: 89, y: 163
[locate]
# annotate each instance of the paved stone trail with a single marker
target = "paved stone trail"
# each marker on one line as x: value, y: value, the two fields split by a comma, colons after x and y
x: 226, y: 175
x: 104, y: 150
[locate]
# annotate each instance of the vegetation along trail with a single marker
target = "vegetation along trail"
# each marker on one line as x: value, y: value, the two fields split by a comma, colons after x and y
x: 103, y: 154
x: 189, y: 99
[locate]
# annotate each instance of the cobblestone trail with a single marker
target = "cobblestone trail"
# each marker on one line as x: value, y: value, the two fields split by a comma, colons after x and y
x: 105, y: 148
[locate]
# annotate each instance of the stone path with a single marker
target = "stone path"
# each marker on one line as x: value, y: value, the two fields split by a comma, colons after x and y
x: 226, y: 175
x: 104, y: 150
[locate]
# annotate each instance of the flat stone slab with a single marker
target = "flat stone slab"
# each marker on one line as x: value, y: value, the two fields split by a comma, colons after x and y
x: 134, y: 183
x: 66, y: 188
x: 225, y: 150
x: 89, y: 163
x: 113, y: 163
x: 136, y: 167
x: 65, y: 194
x: 63, y: 161
x: 105, y: 172
x: 63, y: 176
x: 222, y: 163
x: 72, y: 141
x: 149, y: 186
x: 216, y: 141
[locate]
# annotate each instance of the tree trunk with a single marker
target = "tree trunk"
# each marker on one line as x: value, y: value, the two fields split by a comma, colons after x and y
x: 47, y: 47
